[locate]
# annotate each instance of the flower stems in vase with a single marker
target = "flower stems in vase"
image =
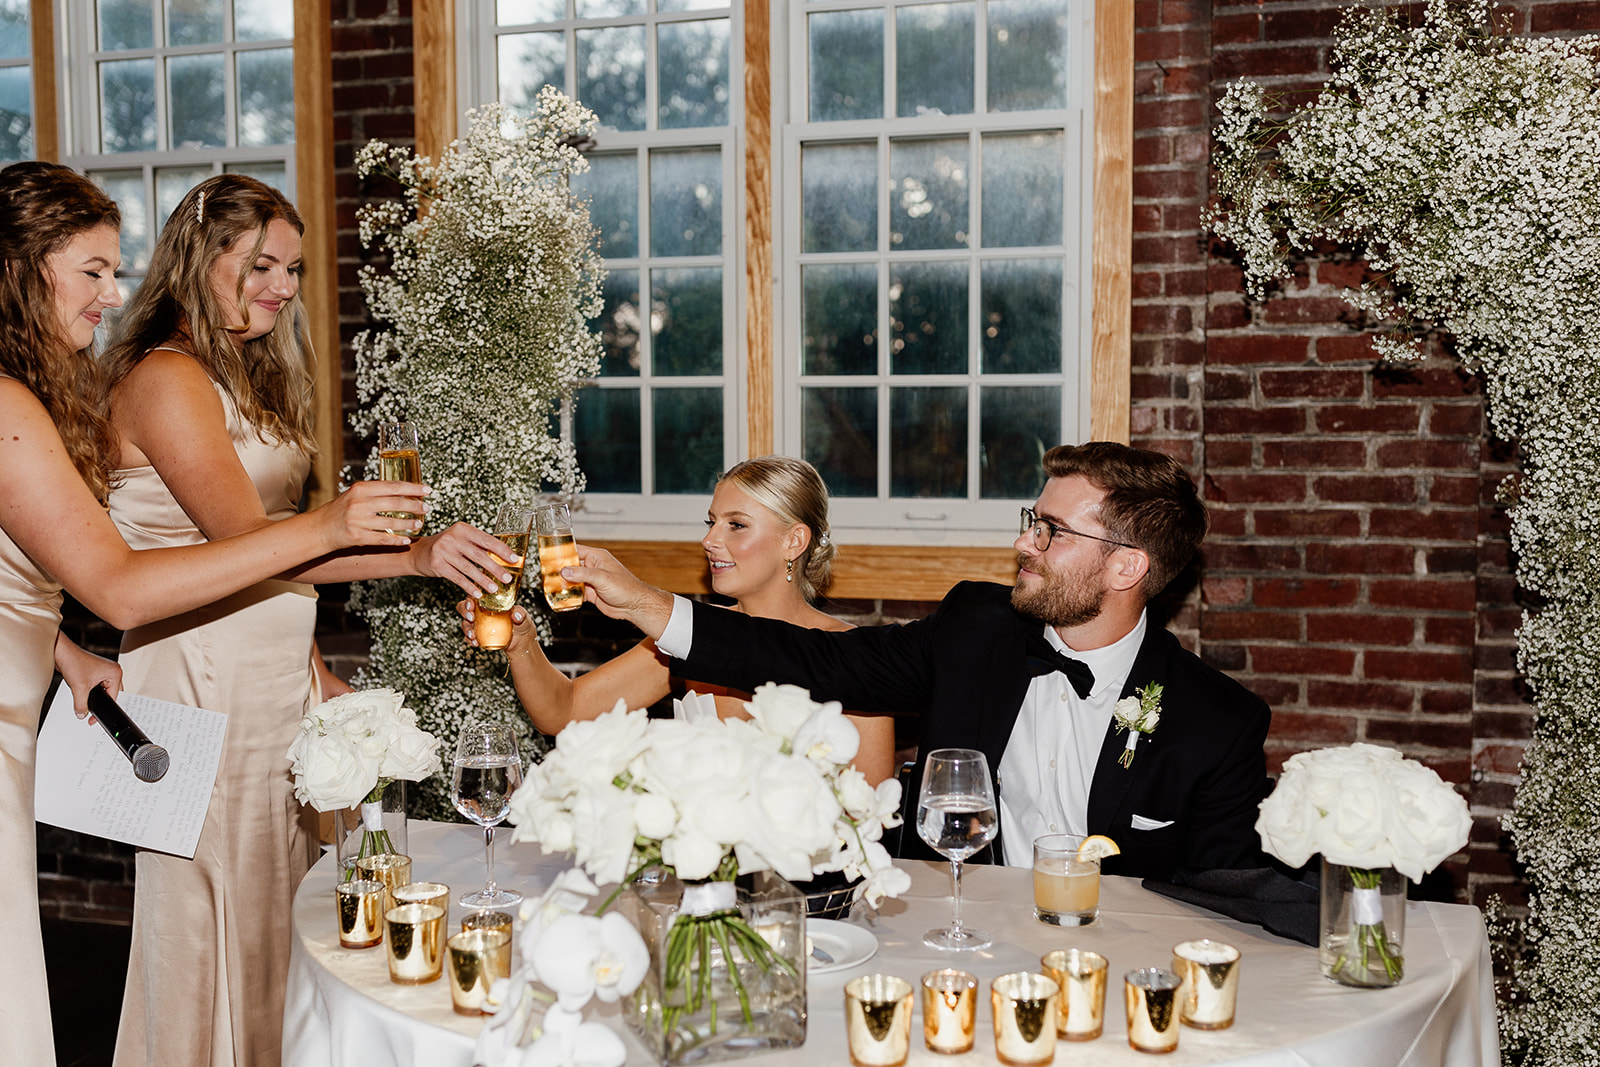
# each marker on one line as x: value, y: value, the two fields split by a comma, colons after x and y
x: 1363, y: 925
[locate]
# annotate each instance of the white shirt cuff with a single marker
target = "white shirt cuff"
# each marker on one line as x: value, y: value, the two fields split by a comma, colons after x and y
x: 678, y: 637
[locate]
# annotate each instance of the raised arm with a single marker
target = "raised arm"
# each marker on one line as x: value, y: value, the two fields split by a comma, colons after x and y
x: 639, y: 677
x: 46, y: 508
x: 169, y: 415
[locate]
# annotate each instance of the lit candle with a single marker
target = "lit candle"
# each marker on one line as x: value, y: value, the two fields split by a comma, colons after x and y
x: 949, y: 1010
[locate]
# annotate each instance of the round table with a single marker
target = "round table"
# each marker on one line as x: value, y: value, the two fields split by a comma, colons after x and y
x: 344, y: 1012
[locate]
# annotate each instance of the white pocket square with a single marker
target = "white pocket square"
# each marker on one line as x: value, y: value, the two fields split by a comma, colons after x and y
x: 1142, y: 823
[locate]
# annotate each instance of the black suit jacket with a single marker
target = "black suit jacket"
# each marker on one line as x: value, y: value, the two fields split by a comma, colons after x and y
x: 963, y: 669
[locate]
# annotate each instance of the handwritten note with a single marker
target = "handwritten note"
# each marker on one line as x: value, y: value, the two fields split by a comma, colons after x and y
x: 85, y: 783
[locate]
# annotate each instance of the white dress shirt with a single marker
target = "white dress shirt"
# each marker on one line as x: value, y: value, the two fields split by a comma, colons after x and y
x: 1049, y: 760
x: 1050, y: 757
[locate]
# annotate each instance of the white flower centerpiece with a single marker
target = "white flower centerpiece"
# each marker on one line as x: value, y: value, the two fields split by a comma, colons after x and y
x: 1377, y: 819
x: 708, y: 801
x: 350, y: 750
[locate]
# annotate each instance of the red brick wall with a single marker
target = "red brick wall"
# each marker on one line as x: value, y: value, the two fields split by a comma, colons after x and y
x: 1358, y: 576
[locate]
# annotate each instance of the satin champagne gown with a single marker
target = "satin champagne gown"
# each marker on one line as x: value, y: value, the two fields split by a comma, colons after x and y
x: 211, y: 935
x: 30, y: 615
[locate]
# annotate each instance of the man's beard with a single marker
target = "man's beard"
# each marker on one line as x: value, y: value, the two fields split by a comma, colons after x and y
x: 1064, y: 598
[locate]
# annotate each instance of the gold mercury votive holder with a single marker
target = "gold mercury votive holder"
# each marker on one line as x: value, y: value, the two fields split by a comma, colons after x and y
x: 1081, y: 1007
x: 877, y: 1020
x: 436, y: 893
x: 414, y: 943
x: 1024, y: 1007
x: 390, y: 868
x: 1210, y: 973
x: 475, y: 959
x: 1151, y: 994
x: 360, y: 912
x: 949, y: 1010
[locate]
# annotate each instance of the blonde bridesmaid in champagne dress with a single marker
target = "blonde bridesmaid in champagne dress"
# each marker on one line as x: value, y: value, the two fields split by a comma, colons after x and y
x: 212, y: 933
x: 210, y: 398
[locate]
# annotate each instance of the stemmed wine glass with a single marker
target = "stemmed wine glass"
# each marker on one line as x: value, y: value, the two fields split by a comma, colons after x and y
x: 488, y: 769
x: 956, y: 817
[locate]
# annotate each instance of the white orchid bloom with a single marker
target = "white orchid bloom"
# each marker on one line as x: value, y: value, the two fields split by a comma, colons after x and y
x: 582, y: 956
x: 568, y: 1041
x: 500, y: 1042
x: 568, y: 895
x: 828, y: 738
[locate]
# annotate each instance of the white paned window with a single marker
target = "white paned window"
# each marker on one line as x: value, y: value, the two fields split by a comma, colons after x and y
x: 934, y: 336
x: 162, y: 94
x: 658, y: 425
x: 932, y: 196
x: 16, y: 83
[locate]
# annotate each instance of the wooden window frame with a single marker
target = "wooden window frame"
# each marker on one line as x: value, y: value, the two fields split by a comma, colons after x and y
x: 871, y: 572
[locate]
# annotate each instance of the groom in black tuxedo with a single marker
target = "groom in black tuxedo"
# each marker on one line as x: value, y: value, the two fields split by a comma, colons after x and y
x: 1030, y: 675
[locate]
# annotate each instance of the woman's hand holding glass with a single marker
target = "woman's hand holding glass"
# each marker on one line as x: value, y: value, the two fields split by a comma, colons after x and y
x: 523, y: 633
x: 354, y: 518
x: 465, y: 555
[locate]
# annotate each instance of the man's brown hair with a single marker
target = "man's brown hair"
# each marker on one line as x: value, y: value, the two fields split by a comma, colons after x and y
x: 1150, y: 502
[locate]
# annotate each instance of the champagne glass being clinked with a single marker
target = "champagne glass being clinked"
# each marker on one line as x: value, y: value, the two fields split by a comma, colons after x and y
x: 956, y: 817
x: 488, y: 769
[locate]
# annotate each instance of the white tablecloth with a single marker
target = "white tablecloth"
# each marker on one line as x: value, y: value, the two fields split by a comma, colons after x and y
x: 344, y: 1012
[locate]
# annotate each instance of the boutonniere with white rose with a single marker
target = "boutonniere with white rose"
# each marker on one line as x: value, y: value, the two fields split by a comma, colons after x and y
x: 1138, y: 714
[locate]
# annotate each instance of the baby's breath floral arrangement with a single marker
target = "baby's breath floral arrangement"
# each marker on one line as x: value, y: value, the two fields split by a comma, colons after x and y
x: 1465, y: 165
x: 492, y: 275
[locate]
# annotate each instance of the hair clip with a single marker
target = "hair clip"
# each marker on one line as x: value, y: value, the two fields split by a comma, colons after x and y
x: 200, y: 208
x: 822, y: 539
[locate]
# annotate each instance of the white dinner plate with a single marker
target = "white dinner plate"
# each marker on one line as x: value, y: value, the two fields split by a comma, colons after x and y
x: 847, y: 943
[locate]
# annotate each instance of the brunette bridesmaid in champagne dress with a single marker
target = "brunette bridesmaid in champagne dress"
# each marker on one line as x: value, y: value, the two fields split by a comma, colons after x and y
x: 217, y: 948
x: 30, y: 613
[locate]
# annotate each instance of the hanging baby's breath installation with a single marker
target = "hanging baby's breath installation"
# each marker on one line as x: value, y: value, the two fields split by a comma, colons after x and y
x: 1465, y: 165
x: 486, y: 302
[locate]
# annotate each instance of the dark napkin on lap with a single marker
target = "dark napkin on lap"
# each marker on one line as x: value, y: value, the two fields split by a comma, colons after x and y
x: 1262, y: 896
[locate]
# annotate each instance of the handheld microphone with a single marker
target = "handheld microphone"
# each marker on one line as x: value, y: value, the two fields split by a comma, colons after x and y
x: 150, y: 761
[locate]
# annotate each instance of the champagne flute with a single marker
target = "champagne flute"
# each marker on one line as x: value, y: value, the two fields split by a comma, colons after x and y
x: 956, y: 817
x: 557, y: 549
x: 400, y: 460
x: 491, y: 623
x: 488, y: 769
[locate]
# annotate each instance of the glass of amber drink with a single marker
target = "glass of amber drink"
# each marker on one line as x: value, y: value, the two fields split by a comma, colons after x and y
x: 552, y: 524
x: 491, y: 619
x: 1066, y: 886
x: 400, y: 460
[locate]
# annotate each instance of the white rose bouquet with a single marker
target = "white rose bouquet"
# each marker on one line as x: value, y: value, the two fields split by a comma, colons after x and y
x: 1366, y: 808
x: 711, y: 799
x: 352, y: 748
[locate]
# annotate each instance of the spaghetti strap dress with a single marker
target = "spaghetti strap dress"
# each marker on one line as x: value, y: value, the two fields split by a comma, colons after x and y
x: 211, y: 935
x: 30, y: 616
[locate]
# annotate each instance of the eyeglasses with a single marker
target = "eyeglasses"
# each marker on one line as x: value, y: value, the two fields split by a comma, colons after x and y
x: 1044, y: 531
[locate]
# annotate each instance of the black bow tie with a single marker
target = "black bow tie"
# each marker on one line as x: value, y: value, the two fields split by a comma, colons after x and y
x: 1043, y: 658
